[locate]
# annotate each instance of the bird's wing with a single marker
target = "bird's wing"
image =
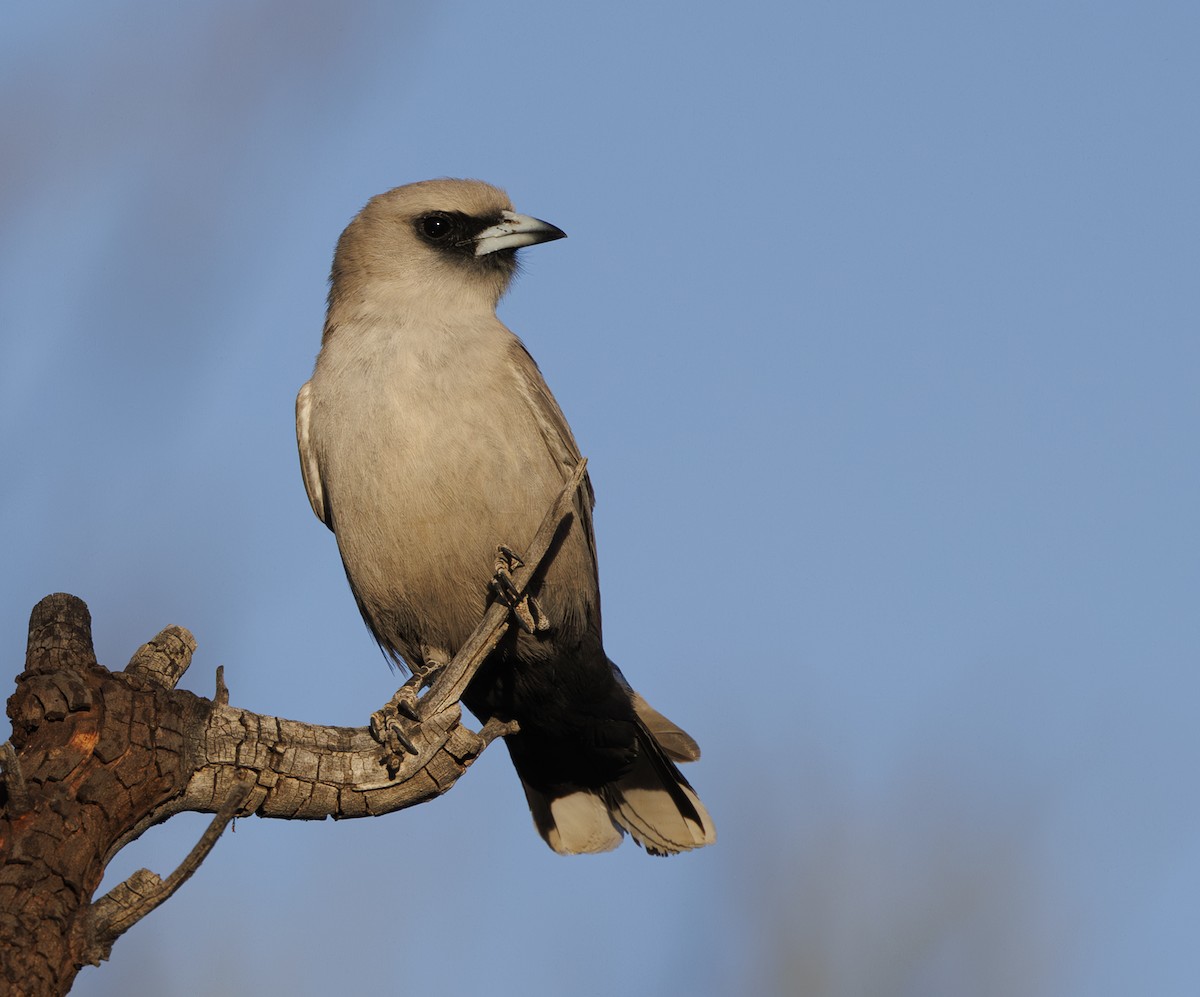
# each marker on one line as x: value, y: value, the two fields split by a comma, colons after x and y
x: 554, y: 429
x: 309, y: 466
x: 551, y: 421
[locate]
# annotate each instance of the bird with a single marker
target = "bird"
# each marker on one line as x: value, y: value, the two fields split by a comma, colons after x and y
x: 428, y: 438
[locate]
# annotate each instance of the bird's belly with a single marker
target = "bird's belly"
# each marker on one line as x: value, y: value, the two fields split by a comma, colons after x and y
x: 424, y: 485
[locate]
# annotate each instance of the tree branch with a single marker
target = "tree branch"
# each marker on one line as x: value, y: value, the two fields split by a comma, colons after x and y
x: 97, y: 757
x: 126, y: 904
x: 165, y: 658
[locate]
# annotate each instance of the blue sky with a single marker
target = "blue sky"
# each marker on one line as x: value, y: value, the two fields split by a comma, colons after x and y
x: 880, y: 327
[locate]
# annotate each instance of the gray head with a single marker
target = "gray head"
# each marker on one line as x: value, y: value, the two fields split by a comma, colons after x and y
x: 432, y: 241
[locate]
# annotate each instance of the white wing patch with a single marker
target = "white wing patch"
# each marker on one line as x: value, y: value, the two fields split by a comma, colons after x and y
x: 309, y: 467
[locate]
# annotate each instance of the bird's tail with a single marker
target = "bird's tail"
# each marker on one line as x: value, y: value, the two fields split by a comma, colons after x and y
x: 653, y: 802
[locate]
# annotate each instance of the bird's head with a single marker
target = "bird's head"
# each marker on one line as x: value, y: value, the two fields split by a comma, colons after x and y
x: 436, y: 242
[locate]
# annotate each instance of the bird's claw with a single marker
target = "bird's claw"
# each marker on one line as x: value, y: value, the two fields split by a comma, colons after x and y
x: 391, y: 725
x: 524, y: 607
x: 507, y: 561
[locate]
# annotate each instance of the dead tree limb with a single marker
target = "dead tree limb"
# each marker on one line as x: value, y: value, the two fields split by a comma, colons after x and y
x: 98, y: 757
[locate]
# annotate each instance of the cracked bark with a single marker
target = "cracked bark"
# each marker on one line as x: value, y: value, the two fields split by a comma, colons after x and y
x: 97, y: 757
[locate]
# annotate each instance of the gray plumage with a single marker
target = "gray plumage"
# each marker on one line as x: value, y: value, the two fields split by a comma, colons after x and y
x: 427, y: 436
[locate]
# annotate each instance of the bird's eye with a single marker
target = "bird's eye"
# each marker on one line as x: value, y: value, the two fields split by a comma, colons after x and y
x: 436, y: 226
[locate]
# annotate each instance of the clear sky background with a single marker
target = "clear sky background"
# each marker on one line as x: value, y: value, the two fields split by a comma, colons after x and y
x: 880, y: 326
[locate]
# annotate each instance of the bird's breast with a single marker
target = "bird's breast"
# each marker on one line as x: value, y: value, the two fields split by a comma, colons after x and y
x: 431, y: 457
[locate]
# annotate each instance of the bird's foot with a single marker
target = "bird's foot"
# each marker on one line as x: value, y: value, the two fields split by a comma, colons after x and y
x: 524, y: 607
x: 394, y: 726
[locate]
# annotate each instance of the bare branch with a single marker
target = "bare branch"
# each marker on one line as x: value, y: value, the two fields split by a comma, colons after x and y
x: 60, y: 635
x: 97, y: 757
x: 498, y: 728
x: 310, y: 772
x: 164, y: 659
x: 126, y: 904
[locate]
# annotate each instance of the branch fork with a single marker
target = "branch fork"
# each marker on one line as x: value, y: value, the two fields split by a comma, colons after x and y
x: 97, y: 757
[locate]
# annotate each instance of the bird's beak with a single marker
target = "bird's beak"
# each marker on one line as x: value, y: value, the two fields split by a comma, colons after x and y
x: 515, y: 231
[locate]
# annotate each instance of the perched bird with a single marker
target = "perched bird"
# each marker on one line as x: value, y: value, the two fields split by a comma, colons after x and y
x: 427, y: 438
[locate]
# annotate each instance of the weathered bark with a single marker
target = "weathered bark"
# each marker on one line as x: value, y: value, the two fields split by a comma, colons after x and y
x: 97, y: 757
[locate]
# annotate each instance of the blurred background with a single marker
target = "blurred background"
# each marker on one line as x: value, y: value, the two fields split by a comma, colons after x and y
x: 880, y: 326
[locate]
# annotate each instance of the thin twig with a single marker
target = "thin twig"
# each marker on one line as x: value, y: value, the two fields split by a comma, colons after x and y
x: 498, y: 728
x: 448, y: 687
x: 126, y: 904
